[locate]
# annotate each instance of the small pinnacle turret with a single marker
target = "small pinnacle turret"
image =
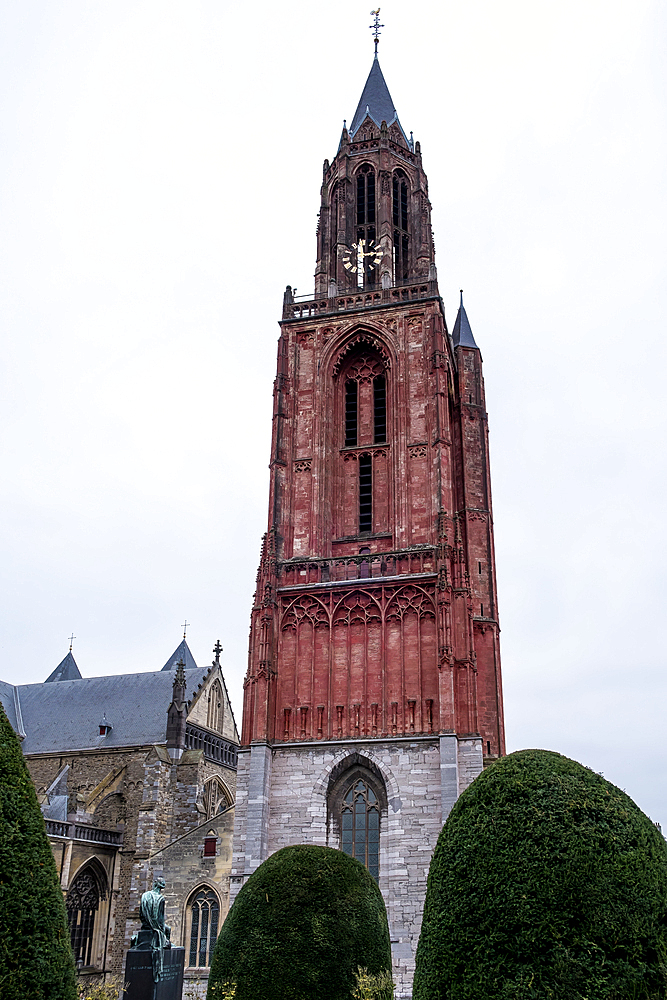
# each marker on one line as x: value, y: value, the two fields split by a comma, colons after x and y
x: 462, y: 333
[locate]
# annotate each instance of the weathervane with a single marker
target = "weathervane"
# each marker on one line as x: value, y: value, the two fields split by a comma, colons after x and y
x: 375, y: 28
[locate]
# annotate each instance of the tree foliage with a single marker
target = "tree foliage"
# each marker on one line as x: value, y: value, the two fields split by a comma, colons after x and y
x: 300, y: 927
x: 547, y: 882
x: 36, y: 959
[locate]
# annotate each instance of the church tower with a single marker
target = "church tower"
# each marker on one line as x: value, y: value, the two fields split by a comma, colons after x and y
x: 373, y: 692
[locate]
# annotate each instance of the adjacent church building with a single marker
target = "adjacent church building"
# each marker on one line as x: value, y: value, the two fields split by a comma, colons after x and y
x: 373, y: 691
x: 136, y: 775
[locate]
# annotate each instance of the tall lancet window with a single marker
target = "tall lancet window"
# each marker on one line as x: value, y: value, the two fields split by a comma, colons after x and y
x: 380, y: 408
x: 367, y: 270
x: 356, y: 803
x: 400, y: 222
x: 363, y: 415
x: 360, y: 826
x: 203, y: 917
x: 82, y: 903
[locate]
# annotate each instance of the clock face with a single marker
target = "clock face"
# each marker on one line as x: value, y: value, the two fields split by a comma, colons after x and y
x: 361, y: 255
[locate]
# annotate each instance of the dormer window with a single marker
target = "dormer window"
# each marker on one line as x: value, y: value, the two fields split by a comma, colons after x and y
x: 105, y: 726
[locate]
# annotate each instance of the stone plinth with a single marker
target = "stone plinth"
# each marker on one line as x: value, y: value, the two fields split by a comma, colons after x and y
x: 139, y: 974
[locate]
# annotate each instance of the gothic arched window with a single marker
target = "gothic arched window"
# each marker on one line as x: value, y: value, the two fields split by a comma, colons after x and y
x: 215, y: 798
x: 215, y: 707
x: 399, y: 205
x: 366, y: 275
x: 360, y: 826
x: 364, y: 414
x: 203, y: 918
x: 82, y: 903
x: 356, y: 801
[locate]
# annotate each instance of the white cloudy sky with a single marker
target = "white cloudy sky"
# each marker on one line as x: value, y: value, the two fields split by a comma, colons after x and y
x: 159, y: 185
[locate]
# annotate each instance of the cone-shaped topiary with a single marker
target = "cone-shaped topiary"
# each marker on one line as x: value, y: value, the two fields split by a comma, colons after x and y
x: 300, y: 927
x: 36, y: 961
x: 547, y: 882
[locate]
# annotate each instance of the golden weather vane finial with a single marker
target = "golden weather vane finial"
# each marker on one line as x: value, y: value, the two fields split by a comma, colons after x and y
x: 375, y: 28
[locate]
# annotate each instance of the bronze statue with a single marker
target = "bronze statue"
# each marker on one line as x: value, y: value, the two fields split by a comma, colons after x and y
x: 151, y: 912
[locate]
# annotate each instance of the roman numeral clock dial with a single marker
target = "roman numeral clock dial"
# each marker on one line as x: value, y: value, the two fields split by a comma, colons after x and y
x: 366, y: 254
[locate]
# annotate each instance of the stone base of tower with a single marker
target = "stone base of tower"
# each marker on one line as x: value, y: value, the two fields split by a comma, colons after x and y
x: 284, y: 796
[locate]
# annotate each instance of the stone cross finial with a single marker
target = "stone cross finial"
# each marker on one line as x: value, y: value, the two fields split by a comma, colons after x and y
x: 217, y: 649
x: 375, y: 27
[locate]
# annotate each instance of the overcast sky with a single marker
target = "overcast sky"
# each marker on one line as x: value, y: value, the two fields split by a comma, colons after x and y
x: 159, y: 187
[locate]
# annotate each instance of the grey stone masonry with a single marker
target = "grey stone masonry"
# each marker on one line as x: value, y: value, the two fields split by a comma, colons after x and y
x: 282, y: 800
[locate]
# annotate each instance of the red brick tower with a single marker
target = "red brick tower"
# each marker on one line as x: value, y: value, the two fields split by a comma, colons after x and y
x: 374, y: 654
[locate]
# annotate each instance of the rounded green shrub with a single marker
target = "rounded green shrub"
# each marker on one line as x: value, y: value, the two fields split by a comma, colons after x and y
x: 300, y: 928
x: 36, y: 959
x: 547, y: 882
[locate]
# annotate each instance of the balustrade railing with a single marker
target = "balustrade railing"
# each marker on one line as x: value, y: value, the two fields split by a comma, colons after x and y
x: 361, y: 299
x: 81, y: 831
x: 215, y: 747
x: 366, y: 566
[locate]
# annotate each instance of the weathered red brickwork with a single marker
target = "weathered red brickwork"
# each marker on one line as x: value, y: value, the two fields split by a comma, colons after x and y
x: 388, y: 625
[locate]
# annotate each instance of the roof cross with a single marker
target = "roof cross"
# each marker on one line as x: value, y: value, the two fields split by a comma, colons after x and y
x: 375, y: 27
x: 71, y: 640
x: 217, y: 649
x: 185, y: 625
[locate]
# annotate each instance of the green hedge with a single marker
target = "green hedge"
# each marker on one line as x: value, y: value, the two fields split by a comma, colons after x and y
x: 36, y: 961
x: 300, y: 927
x: 547, y: 882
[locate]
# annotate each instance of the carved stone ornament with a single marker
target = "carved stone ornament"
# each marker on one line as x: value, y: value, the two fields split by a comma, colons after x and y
x: 363, y: 337
x: 302, y: 465
x: 418, y: 450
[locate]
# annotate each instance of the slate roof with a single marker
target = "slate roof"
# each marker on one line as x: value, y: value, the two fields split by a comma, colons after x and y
x: 10, y: 703
x: 66, y: 670
x: 462, y: 334
x: 377, y: 99
x: 66, y: 716
x: 182, y: 651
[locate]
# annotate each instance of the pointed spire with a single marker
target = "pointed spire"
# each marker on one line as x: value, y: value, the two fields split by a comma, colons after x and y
x: 66, y: 670
x: 182, y: 652
x: 375, y: 101
x: 462, y: 334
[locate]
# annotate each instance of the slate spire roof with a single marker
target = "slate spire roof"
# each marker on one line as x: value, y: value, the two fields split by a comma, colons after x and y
x: 182, y: 652
x: 66, y: 670
x: 375, y: 101
x: 462, y: 334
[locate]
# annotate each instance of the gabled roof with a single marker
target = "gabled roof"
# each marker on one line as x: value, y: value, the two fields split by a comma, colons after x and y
x: 9, y: 696
x: 462, y: 334
x: 67, y: 716
x: 182, y: 652
x: 375, y: 101
x: 66, y: 670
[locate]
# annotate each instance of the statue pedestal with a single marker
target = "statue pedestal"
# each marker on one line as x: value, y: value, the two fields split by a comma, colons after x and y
x: 139, y: 972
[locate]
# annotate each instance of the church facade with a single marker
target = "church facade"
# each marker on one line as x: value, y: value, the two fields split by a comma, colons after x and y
x: 373, y: 692
x: 136, y: 776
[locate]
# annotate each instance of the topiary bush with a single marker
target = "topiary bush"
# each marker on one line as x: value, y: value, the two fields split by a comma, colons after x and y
x: 547, y: 882
x: 300, y: 927
x: 36, y: 959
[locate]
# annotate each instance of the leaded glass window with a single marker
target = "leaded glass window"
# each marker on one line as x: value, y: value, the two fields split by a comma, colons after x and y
x: 83, y: 900
x: 360, y: 826
x: 205, y: 916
